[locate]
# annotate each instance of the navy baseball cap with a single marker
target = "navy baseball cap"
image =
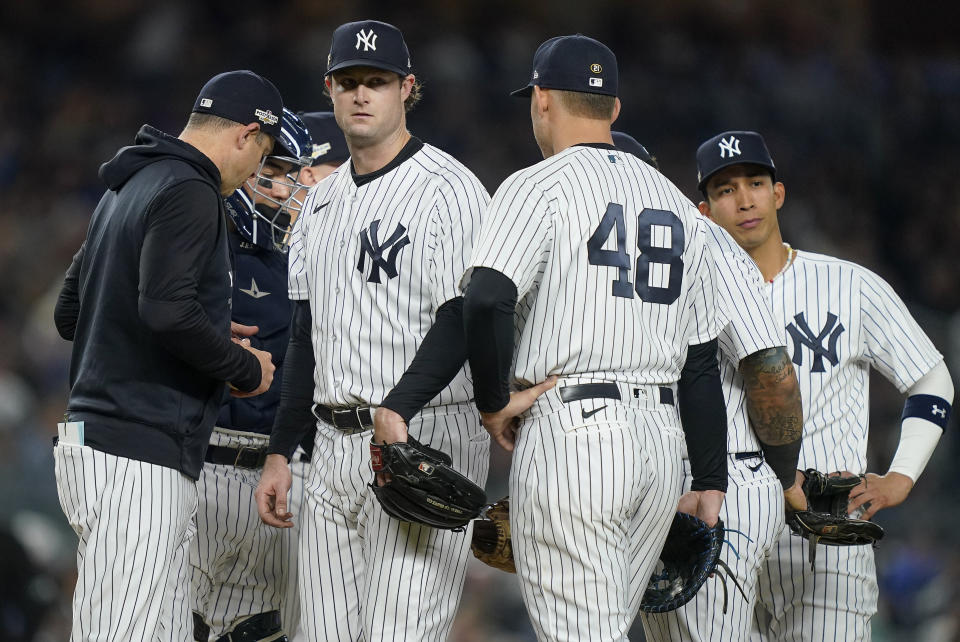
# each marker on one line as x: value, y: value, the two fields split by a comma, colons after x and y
x: 243, y: 97
x: 369, y: 43
x: 732, y: 148
x: 627, y: 143
x: 573, y: 63
x: 329, y: 145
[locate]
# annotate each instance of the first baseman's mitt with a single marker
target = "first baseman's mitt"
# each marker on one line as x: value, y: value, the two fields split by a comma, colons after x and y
x: 424, y: 487
x: 491, y: 537
x: 826, y: 521
x: 690, y: 555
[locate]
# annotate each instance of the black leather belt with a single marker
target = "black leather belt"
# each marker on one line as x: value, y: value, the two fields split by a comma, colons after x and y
x: 349, y: 420
x: 604, y: 391
x: 242, y: 457
x: 750, y: 454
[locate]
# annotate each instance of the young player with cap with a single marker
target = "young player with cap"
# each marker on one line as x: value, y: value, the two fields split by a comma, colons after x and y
x: 839, y: 319
x: 376, y: 352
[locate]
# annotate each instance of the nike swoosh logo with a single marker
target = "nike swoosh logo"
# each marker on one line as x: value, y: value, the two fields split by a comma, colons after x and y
x: 587, y: 414
x: 320, y: 207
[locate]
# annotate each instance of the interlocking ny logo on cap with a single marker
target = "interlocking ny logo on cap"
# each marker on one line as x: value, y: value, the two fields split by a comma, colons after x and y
x: 729, y: 147
x: 266, y: 116
x: 368, y: 39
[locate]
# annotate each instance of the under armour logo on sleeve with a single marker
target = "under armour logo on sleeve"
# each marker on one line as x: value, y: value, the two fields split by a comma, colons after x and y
x: 937, y: 410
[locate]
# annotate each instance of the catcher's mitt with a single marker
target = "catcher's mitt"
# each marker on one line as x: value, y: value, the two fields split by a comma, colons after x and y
x: 491, y: 537
x: 424, y: 487
x: 826, y: 521
x: 690, y: 554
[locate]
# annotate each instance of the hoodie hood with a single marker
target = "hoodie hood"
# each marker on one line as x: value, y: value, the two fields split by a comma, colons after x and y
x: 150, y: 146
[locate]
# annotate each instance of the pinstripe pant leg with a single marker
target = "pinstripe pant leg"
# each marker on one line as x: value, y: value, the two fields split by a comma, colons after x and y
x: 754, y: 506
x: 585, y: 518
x: 835, y: 601
x: 133, y: 520
x: 415, y: 573
x: 650, y: 523
x: 330, y: 559
x: 290, y: 602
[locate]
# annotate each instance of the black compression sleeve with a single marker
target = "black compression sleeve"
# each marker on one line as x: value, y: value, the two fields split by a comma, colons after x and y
x: 182, y: 232
x: 438, y: 360
x: 67, y: 310
x: 704, y: 417
x: 294, y: 417
x: 488, y: 309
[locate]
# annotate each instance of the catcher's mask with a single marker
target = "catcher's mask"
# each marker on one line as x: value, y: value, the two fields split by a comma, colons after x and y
x: 266, y: 206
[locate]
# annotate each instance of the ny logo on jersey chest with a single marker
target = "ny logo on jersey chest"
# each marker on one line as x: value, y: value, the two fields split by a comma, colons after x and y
x: 802, y: 335
x: 370, y: 246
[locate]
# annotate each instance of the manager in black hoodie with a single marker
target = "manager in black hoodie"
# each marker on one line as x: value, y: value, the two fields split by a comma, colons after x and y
x: 146, y: 303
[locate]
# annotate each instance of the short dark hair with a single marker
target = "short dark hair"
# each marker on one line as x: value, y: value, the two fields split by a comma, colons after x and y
x: 212, y: 123
x: 584, y: 105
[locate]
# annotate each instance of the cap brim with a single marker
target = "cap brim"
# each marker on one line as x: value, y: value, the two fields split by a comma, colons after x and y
x: 524, y: 92
x: 703, y: 182
x: 366, y: 62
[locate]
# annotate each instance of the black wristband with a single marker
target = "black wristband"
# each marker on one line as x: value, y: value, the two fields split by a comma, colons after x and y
x: 783, y: 460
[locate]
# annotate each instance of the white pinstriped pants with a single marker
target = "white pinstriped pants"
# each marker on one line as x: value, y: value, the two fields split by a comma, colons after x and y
x: 290, y: 604
x: 754, y: 506
x: 135, y: 523
x: 364, y: 575
x: 591, y: 504
x: 238, y: 564
x: 835, y: 601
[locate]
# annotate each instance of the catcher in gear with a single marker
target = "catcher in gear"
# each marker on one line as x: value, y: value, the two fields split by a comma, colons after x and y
x: 423, y: 487
x: 826, y: 521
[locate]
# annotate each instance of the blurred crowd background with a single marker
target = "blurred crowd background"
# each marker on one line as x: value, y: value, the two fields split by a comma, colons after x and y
x: 859, y: 102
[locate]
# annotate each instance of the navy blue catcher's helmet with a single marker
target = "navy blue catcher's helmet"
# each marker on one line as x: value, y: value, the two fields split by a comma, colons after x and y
x: 265, y: 207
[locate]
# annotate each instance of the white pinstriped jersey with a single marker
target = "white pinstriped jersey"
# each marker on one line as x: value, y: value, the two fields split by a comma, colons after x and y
x: 610, y: 266
x: 749, y: 326
x: 376, y: 261
x: 840, y: 319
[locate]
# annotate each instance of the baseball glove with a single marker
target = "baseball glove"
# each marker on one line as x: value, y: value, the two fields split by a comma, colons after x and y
x: 491, y: 537
x: 826, y: 521
x: 689, y: 556
x: 424, y: 487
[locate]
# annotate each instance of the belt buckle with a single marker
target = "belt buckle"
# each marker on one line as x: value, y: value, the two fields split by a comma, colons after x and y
x: 240, y: 451
x: 333, y: 418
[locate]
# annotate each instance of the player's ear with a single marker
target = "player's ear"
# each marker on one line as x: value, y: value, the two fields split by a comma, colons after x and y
x: 406, y: 85
x: 704, y: 208
x: 616, y: 110
x: 779, y: 194
x: 540, y: 98
x: 247, y: 135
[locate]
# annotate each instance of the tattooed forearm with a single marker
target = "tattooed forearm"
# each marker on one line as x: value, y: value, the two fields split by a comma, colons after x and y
x: 773, y: 396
